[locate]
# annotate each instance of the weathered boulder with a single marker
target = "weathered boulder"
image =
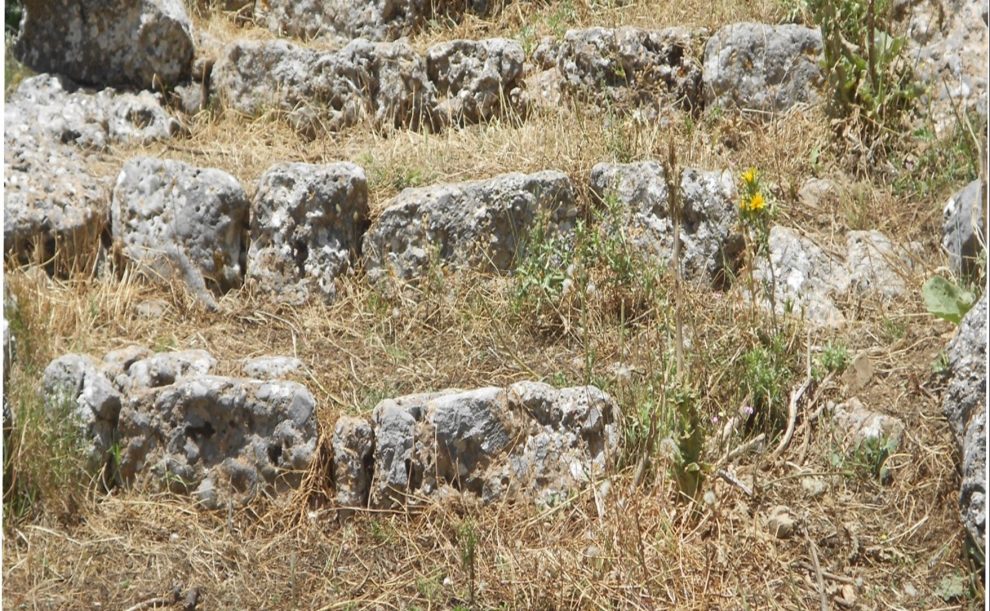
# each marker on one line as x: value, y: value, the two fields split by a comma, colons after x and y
x: 55, y: 109
x: 762, y: 68
x: 481, y: 224
x: 858, y: 425
x: 476, y: 80
x: 374, y: 20
x: 141, y: 43
x: 53, y: 204
x: 805, y: 278
x: 74, y: 388
x: 170, y: 217
x: 271, y: 367
x: 151, y: 370
x: 306, y: 224
x: 965, y: 407
x: 876, y: 264
x: 353, y: 447
x: 710, y: 242
x: 219, y: 439
x: 948, y: 50
x: 528, y: 440
x: 385, y: 83
x: 630, y: 65
x: 964, y: 228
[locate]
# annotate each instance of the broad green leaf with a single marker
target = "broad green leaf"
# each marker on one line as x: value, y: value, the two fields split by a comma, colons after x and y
x: 946, y: 300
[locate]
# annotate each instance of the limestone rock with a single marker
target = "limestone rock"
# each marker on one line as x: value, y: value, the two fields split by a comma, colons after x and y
x: 859, y: 425
x: 385, y: 83
x: 876, y: 265
x: 481, y: 224
x: 220, y: 439
x: 375, y: 20
x: 74, y: 387
x: 964, y: 227
x: 139, y: 43
x: 170, y: 217
x: 948, y: 51
x: 964, y: 405
x: 529, y: 440
x: 476, y: 80
x: 807, y: 279
x: 52, y: 202
x: 163, y: 368
x: 306, y: 224
x: 709, y: 240
x: 630, y: 66
x: 762, y: 67
x: 271, y: 367
x: 353, y: 447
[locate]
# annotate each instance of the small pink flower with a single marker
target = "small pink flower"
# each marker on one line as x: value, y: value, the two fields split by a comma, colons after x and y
x: 746, y: 410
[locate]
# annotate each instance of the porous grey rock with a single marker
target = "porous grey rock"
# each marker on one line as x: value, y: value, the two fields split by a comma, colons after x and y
x: 817, y: 193
x: 353, y: 459
x: 948, y: 51
x: 481, y: 224
x: 271, y: 367
x: 964, y: 228
x: 964, y: 405
x: 630, y: 66
x: 55, y: 109
x: 476, y: 80
x: 806, y: 279
x: 385, y: 83
x: 306, y: 225
x: 374, y: 20
x: 53, y: 202
x: 152, y: 370
x: 74, y: 387
x: 219, y: 439
x: 710, y: 241
x: 140, y: 43
x: 764, y: 68
x: 529, y: 440
x: 858, y: 425
x: 170, y: 217
x: 876, y: 264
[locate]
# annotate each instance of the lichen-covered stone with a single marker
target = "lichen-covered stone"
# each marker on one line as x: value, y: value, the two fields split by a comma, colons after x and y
x: 710, y: 241
x: 219, y: 439
x: 481, y: 224
x: 964, y: 228
x: 140, y: 43
x: 173, y: 218
x: 476, y: 80
x: 306, y: 224
x: 762, y: 68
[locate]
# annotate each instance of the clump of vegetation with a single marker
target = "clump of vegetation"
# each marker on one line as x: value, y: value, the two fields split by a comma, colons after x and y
x: 834, y: 358
x: 764, y: 375
x: 946, y: 299
x: 871, y: 86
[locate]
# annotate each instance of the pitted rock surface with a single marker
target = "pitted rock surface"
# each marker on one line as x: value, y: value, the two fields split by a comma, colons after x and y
x: 219, y: 439
x: 173, y: 218
x: 629, y: 65
x: 140, y: 43
x: 353, y: 459
x: 481, y: 224
x: 964, y: 228
x: 710, y: 241
x: 385, y: 83
x: 52, y: 201
x: 807, y: 280
x: 528, y: 440
x: 965, y: 406
x: 306, y: 224
x: 271, y: 367
x: 764, y: 68
x: 476, y: 80
x: 74, y: 387
x: 876, y: 264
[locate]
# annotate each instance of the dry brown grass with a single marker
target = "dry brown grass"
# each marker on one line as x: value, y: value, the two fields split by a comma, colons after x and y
x: 629, y: 549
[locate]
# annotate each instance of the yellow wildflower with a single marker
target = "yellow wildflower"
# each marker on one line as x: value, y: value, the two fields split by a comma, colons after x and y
x: 756, y: 202
x: 749, y: 176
